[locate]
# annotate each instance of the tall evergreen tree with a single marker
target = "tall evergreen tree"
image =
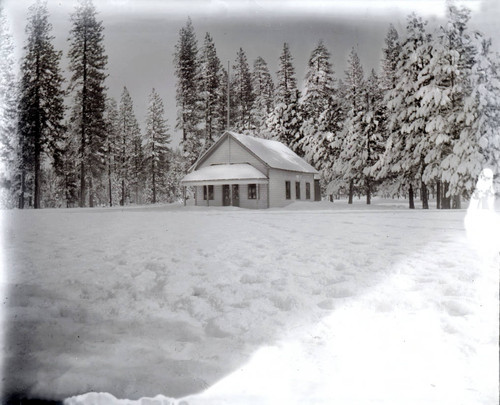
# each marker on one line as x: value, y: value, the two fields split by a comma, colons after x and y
x: 446, y: 84
x: 244, y: 96
x: 210, y: 91
x: 187, y: 71
x: 390, y: 58
x: 263, y: 89
x: 112, y: 149
x: 88, y: 64
x: 284, y: 121
x: 346, y: 168
x: 8, y: 112
x: 156, y: 147
x: 319, y: 86
x: 287, y: 82
x: 406, y: 149
x: 479, y: 143
x: 319, y: 107
x: 41, y: 106
x: 127, y: 154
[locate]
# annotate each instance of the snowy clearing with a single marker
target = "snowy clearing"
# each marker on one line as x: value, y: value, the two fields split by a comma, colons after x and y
x: 316, y: 303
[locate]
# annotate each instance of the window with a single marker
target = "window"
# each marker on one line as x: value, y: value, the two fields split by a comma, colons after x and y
x: 252, y: 191
x: 208, y: 190
x: 297, y: 190
x: 287, y: 190
x: 308, y: 191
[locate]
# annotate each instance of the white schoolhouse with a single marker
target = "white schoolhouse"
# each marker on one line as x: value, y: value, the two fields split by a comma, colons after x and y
x: 248, y: 172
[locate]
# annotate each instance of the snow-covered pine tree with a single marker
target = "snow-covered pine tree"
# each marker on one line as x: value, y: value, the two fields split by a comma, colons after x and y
x: 8, y: 114
x: 263, y: 88
x: 372, y: 144
x: 41, y: 104
x: 210, y: 91
x: 244, y: 97
x: 478, y: 145
x: 346, y: 166
x: 68, y: 179
x: 126, y: 154
x: 284, y: 122
x: 222, y: 106
x: 88, y: 65
x: 156, y: 148
x: 137, y: 169
x: 388, y: 80
x: 390, y: 58
x: 112, y: 149
x: 187, y: 71
x: 406, y: 148
x: 445, y: 86
x: 318, y: 91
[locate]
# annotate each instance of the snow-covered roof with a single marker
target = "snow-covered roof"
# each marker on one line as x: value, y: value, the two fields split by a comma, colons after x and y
x: 275, y: 154
x: 226, y: 173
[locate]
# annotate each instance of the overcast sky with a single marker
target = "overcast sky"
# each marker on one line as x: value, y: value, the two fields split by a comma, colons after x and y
x: 140, y: 35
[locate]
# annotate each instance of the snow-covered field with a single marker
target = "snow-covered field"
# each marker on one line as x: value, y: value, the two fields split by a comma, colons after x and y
x: 317, y: 303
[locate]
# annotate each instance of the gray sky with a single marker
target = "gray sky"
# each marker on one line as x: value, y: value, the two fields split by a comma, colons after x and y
x: 140, y: 35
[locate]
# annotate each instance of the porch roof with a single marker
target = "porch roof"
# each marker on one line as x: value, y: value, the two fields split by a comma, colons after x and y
x: 238, y: 173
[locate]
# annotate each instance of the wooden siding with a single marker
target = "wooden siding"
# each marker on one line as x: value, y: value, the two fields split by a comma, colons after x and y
x: 277, y: 179
x: 260, y: 202
x: 216, y: 202
x: 230, y: 151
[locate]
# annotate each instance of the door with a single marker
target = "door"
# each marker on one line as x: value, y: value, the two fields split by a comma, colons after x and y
x: 226, y: 195
x: 236, y: 195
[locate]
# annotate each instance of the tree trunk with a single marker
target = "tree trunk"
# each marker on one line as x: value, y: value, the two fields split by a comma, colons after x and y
x: 23, y: 188
x: 424, y: 196
x: 110, y: 186
x: 438, y: 194
x: 37, y: 176
x: 457, y: 202
x: 351, y: 191
x: 445, y: 200
x: 368, y: 191
x: 122, y: 201
x: 411, y: 197
x: 154, y: 187
x: 91, y: 192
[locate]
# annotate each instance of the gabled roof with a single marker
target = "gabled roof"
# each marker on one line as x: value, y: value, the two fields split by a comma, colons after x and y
x: 274, y: 154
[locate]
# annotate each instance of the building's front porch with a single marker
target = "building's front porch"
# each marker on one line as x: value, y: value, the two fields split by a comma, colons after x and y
x: 237, y: 185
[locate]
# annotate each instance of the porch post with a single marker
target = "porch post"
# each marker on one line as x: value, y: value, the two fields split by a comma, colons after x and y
x: 231, y: 195
x: 184, y: 194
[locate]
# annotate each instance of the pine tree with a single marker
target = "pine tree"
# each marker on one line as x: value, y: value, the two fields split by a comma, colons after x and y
x: 8, y: 113
x: 389, y: 65
x: 388, y: 80
x: 345, y: 167
x: 156, y: 147
x: 187, y: 71
x: 371, y: 145
x: 127, y: 154
x: 137, y: 170
x: 244, y: 96
x: 284, y: 121
x: 210, y: 91
x: 406, y: 149
x: 41, y: 105
x: 446, y: 82
x: 263, y: 89
x: 112, y: 148
x: 287, y: 82
x: 88, y: 64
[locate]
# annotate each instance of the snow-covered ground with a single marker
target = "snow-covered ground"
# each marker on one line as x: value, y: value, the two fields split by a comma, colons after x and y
x: 316, y: 303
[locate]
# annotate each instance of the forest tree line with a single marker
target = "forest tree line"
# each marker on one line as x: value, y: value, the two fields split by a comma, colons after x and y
x: 427, y: 124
